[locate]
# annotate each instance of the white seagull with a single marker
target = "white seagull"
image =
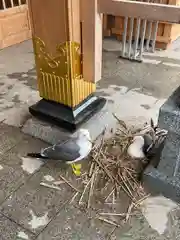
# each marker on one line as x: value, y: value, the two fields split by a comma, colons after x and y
x: 135, y: 150
x: 72, y: 150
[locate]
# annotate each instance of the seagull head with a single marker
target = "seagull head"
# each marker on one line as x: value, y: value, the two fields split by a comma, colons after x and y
x: 84, y: 133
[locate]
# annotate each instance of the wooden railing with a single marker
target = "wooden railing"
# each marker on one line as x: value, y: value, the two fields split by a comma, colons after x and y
x: 143, y: 10
x: 4, y: 4
x: 91, y: 15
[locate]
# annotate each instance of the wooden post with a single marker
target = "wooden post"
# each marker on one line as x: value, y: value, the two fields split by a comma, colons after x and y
x: 92, y: 25
x: 67, y: 93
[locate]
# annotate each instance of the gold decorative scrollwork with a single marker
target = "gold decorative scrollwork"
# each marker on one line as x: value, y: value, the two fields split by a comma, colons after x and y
x: 60, y: 77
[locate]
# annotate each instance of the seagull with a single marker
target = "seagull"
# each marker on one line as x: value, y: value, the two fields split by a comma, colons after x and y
x: 72, y: 150
x: 135, y: 150
x: 148, y: 145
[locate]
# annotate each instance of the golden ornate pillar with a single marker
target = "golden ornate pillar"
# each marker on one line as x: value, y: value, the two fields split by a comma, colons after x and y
x: 67, y: 98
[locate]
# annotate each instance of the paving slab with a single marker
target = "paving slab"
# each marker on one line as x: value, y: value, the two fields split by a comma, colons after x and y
x: 95, y: 229
x: 71, y: 223
x: 11, y: 178
x: 118, y: 71
x: 155, y: 76
x: 9, y: 137
x: 34, y: 206
x: 66, y: 226
x: 138, y: 229
x: 12, y: 174
x: 11, y: 231
x: 14, y: 156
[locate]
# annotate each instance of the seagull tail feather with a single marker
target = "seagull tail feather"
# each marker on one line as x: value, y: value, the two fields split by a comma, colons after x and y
x: 36, y: 155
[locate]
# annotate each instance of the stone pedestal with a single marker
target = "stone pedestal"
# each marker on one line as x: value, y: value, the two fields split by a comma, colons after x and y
x: 164, y: 176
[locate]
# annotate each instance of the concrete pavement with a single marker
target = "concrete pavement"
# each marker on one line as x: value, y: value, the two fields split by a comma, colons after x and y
x: 29, y: 211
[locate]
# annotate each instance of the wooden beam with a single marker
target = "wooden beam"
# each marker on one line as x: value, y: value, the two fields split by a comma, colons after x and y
x: 91, y: 40
x: 149, y: 11
x: 74, y: 20
x: 50, y: 22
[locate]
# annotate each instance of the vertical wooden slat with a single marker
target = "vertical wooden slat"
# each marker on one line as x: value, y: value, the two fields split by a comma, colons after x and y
x: 19, y: 2
x: 4, y: 4
x: 149, y: 30
x: 130, y: 36
x: 106, y: 29
x: 12, y: 3
x: 124, y: 36
x: 138, y: 24
x: 142, y: 38
x: 92, y: 40
x: 154, y: 36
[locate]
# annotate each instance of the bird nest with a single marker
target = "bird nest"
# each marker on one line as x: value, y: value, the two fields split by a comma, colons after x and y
x: 111, y: 183
x: 113, y: 175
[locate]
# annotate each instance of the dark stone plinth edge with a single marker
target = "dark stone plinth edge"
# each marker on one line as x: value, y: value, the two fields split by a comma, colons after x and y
x: 158, y: 183
x: 169, y: 113
x: 66, y: 117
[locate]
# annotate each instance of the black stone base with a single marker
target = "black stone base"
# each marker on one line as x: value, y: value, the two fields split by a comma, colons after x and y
x: 64, y: 116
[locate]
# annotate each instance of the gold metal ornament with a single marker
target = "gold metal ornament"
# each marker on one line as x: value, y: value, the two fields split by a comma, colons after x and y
x: 60, y: 78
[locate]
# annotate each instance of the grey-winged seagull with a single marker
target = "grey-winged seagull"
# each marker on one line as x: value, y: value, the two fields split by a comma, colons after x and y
x: 72, y: 150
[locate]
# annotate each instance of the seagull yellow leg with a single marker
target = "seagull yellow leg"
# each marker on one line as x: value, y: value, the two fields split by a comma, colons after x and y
x: 76, y: 167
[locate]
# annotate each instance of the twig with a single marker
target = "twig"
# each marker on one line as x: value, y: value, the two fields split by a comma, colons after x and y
x: 141, y: 200
x: 115, y: 214
x: 109, y: 194
x: 91, y: 169
x: 133, y: 180
x: 101, y: 134
x: 82, y: 175
x: 58, y: 182
x: 73, y: 198
x: 134, y: 205
x: 104, y: 168
x: 101, y: 146
x: 66, y: 181
x: 121, y: 123
x: 130, y: 195
x: 113, y: 201
x: 50, y: 186
x: 130, y: 183
x: 84, y: 191
x: 129, y: 211
x: 125, y: 190
x: 132, y: 177
x: 108, y: 221
x: 152, y: 123
x: 129, y: 169
x: 91, y: 189
x: 126, y: 185
x: 111, y: 233
x: 105, y: 186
